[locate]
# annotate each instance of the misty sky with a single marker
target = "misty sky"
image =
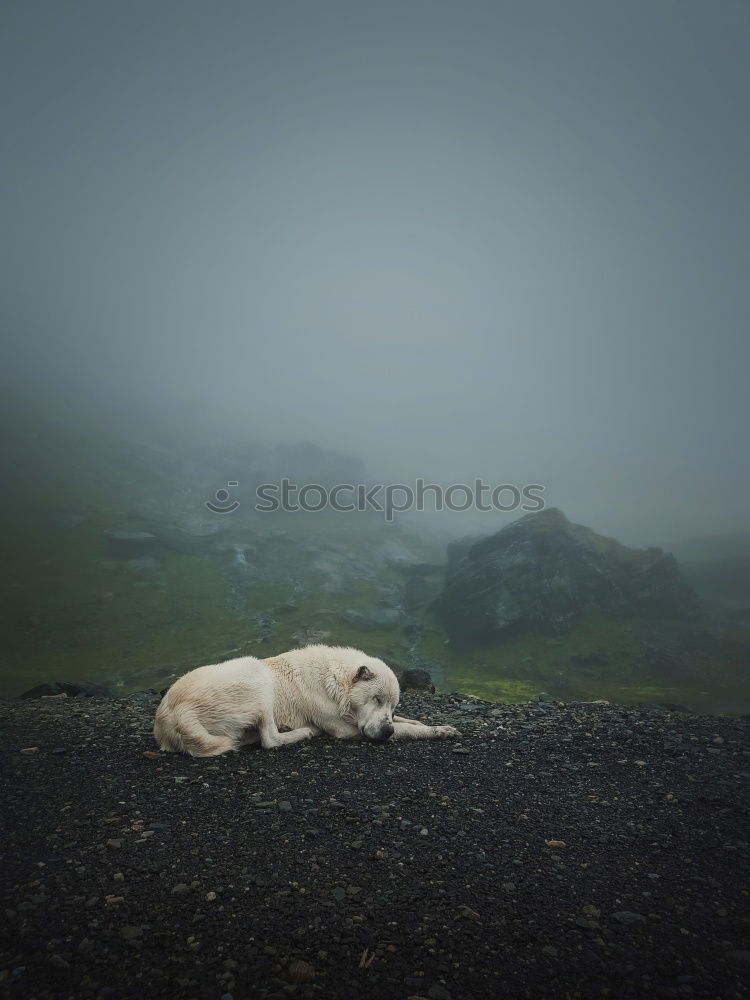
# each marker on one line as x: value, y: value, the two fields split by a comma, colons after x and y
x: 507, y: 240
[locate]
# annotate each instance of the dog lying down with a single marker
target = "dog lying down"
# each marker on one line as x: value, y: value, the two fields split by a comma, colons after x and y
x: 316, y: 689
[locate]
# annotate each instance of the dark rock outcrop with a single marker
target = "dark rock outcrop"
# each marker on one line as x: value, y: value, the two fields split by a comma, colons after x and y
x: 542, y: 574
x: 416, y: 680
x: 73, y: 689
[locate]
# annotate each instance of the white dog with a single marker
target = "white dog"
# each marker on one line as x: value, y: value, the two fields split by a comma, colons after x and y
x: 332, y: 689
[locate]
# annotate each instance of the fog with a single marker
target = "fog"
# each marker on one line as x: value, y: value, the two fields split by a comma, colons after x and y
x: 507, y: 240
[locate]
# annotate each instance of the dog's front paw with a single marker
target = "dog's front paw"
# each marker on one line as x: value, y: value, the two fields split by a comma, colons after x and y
x: 445, y: 732
x: 312, y: 731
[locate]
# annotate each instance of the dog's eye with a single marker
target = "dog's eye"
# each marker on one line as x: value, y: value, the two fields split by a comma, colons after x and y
x: 377, y: 699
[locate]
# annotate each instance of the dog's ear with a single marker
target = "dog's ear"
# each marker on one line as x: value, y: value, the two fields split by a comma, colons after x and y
x: 363, y: 674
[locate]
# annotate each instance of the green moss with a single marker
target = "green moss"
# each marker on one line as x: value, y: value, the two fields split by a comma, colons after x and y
x: 625, y: 675
x: 509, y: 689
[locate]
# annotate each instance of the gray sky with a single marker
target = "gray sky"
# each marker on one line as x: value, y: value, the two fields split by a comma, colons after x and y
x: 507, y: 240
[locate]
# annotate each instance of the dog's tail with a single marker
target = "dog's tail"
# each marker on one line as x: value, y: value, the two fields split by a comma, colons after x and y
x: 178, y: 728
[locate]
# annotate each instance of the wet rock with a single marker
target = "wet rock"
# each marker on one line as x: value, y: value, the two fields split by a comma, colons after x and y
x: 416, y: 680
x: 131, y: 932
x: 439, y: 992
x: 374, y: 619
x: 543, y: 574
x: 300, y: 972
x: 628, y: 917
x: 394, y: 553
x: 310, y: 636
x: 73, y: 689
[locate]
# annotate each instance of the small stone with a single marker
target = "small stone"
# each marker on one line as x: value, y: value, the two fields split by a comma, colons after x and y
x: 180, y: 889
x: 151, y: 754
x: 339, y: 894
x: 586, y: 924
x: 114, y: 843
x: 285, y: 806
x: 628, y: 917
x: 211, y: 896
x: 130, y: 932
x: 460, y: 750
x: 58, y: 962
x: 438, y: 992
x: 29, y: 750
x: 300, y: 972
x: 550, y: 950
x: 509, y: 886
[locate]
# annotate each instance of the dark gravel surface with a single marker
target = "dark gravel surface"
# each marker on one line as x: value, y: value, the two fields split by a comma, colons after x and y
x: 570, y: 851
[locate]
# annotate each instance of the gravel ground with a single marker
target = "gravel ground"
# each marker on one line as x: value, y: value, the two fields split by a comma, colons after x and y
x: 569, y: 851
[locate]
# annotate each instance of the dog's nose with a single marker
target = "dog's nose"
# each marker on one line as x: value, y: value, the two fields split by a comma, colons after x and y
x: 382, y: 735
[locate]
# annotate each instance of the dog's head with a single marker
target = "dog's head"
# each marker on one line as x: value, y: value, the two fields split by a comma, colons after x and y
x: 373, y: 697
